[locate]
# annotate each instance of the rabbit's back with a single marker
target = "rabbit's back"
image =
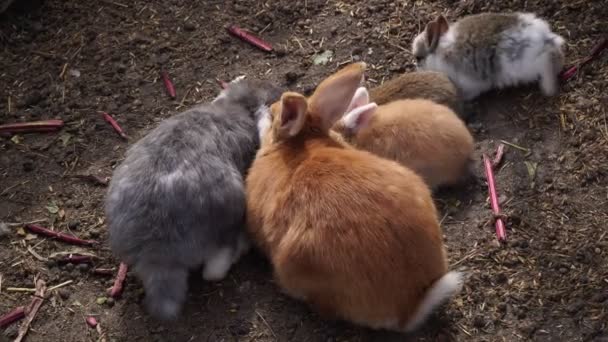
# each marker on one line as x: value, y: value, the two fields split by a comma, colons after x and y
x: 180, y: 186
x: 352, y: 232
x: 431, y: 85
x: 425, y: 136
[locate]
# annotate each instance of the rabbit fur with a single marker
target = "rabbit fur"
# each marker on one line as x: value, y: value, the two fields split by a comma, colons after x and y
x: 354, y: 235
x: 427, y: 137
x: 178, y: 199
x: 492, y: 50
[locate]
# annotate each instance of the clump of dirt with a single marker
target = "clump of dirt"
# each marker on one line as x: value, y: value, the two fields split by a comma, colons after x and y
x: 72, y: 59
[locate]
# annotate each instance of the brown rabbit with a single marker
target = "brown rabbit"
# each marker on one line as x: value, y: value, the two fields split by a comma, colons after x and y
x: 425, y: 136
x: 354, y: 235
x: 430, y: 85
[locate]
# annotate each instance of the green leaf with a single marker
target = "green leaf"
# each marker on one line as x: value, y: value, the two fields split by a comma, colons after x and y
x: 65, y: 138
x: 52, y: 208
x: 16, y: 139
x: 323, y: 58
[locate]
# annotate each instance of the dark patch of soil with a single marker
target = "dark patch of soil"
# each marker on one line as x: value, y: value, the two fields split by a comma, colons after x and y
x: 72, y: 59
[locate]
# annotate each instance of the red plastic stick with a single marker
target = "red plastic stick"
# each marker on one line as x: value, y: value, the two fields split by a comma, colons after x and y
x: 168, y: 84
x: 249, y: 38
x: 76, y: 259
x: 34, y: 228
x: 595, y: 52
x: 31, y: 127
x: 501, y: 232
x: 103, y: 271
x: 116, y: 289
x: 115, y: 125
x: 12, y: 316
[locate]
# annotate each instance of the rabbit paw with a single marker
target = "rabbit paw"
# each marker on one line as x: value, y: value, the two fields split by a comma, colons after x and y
x: 218, y: 265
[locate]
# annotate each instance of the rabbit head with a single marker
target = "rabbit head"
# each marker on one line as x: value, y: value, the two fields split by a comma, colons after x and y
x: 427, y: 41
x: 294, y: 115
x: 254, y: 95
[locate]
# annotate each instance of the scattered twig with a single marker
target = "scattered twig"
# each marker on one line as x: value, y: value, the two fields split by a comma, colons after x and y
x: 32, y: 309
x: 12, y: 316
x: 500, y: 151
x: 36, y: 255
x: 570, y: 71
x: 20, y: 289
x: 168, y: 84
x: 515, y: 146
x: 249, y: 38
x: 19, y: 224
x: 93, y: 179
x: 501, y: 232
x: 266, y: 323
x: 116, y: 289
x: 31, y: 127
x: 65, y: 283
x: 57, y: 235
x: 114, y: 125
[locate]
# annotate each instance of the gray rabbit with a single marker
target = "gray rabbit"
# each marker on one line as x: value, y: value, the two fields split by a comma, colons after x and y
x: 492, y: 50
x: 177, y: 201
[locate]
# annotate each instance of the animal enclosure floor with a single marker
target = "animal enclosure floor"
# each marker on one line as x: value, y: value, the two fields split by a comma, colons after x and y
x: 72, y: 59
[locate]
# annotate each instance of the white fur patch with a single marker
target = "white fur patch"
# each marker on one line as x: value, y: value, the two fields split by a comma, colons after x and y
x: 536, y: 59
x: 222, y: 95
x: 264, y: 122
x: 217, y: 266
x: 444, y: 288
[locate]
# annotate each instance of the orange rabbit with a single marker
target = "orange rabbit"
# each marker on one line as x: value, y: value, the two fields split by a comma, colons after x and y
x: 354, y: 235
x: 425, y: 136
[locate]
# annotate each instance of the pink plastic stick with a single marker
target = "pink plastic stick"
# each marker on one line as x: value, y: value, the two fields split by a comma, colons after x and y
x: 168, y: 84
x: 120, y: 279
x: 501, y: 232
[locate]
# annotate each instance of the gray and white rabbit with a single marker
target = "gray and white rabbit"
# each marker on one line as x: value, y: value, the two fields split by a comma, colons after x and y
x: 177, y: 201
x: 492, y: 50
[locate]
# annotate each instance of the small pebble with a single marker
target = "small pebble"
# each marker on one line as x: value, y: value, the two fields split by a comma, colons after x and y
x: 69, y: 266
x: 84, y: 267
x: 4, y: 230
x: 73, y: 224
x: 101, y: 300
x: 189, y: 26
x: 110, y: 302
x: 479, y: 321
x: 64, y: 294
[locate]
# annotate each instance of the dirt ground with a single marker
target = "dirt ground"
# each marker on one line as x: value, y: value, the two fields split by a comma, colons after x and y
x: 72, y: 59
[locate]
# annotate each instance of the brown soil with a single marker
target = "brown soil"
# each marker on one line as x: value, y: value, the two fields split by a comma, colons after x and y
x: 71, y: 59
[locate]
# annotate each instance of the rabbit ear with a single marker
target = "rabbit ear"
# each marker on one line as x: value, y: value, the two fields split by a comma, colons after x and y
x: 333, y: 96
x: 434, y: 31
x: 292, y: 115
x: 359, y: 117
x: 442, y: 24
x: 361, y: 98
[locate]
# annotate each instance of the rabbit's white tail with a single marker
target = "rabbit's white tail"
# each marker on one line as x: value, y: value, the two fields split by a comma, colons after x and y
x: 443, y: 289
